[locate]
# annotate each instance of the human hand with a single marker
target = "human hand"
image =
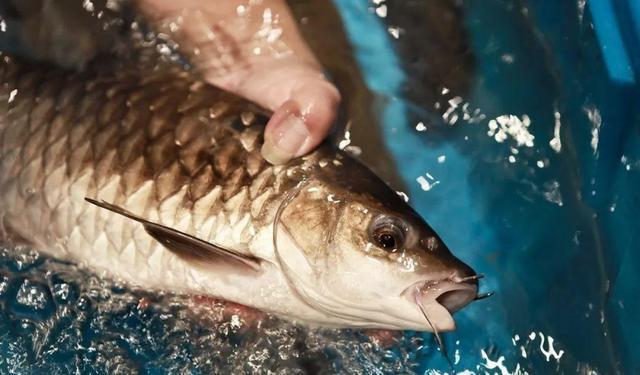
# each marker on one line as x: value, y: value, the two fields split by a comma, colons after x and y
x: 253, y: 49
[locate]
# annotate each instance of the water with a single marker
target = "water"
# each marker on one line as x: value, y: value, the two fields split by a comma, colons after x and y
x: 59, y: 318
x: 498, y: 120
x: 522, y: 175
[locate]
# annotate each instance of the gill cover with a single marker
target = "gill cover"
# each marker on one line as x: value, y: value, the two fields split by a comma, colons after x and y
x: 303, y: 234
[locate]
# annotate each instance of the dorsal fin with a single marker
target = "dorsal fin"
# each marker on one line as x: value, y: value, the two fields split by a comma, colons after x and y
x: 185, y: 245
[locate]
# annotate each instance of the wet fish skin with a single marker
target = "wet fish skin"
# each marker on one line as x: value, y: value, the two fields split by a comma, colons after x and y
x: 174, y: 151
x: 146, y: 143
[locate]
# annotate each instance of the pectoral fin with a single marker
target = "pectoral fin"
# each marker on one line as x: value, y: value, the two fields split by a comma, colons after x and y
x: 187, y: 246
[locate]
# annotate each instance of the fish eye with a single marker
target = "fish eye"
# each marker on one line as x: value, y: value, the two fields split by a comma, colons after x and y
x: 387, y: 233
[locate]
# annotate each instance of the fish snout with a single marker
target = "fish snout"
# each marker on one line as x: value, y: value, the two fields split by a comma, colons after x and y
x: 462, y: 273
x: 460, y: 289
x: 453, y: 292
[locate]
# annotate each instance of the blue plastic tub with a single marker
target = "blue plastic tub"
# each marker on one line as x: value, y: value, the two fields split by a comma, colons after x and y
x: 552, y: 222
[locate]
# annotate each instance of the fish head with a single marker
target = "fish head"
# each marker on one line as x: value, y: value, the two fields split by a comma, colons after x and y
x: 354, y: 250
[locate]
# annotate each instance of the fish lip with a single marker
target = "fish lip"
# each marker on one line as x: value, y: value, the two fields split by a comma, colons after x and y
x: 436, y: 288
x: 454, y: 296
x: 441, y: 298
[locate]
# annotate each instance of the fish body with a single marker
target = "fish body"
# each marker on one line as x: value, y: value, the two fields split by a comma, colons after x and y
x: 153, y: 177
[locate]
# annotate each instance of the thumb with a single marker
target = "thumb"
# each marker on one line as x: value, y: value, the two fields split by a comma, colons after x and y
x: 302, y: 122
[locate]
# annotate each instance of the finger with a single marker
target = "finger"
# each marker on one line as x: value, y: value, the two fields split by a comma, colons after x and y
x: 302, y: 122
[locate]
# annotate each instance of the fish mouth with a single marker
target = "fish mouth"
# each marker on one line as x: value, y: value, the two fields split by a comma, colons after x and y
x: 438, y: 299
x: 452, y: 295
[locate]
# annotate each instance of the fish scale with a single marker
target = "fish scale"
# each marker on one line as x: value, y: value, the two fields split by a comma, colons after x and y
x: 156, y: 178
x: 164, y: 147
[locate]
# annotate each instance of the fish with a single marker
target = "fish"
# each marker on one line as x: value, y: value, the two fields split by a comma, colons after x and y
x: 155, y: 178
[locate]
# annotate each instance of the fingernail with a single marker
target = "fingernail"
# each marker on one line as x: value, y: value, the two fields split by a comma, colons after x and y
x: 283, y: 142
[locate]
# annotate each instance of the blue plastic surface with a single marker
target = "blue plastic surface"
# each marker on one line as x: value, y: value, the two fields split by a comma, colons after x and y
x: 614, y: 51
